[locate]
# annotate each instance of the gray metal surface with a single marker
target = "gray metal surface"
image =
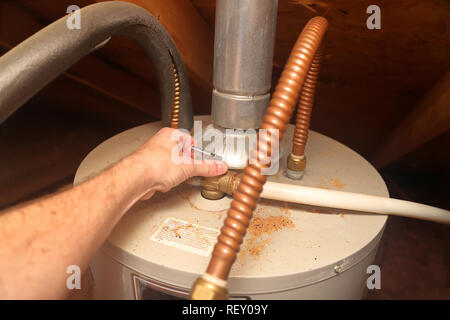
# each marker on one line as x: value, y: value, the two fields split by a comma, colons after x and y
x: 243, y: 57
x: 240, y: 112
x: 37, y: 61
x: 236, y: 144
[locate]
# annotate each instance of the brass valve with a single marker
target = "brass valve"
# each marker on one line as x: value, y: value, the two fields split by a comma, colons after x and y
x: 214, y: 188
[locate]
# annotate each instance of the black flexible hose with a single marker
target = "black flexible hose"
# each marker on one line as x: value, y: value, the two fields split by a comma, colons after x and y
x: 37, y: 61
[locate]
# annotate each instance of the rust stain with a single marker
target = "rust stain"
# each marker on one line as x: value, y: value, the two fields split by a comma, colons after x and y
x: 336, y: 182
x: 322, y: 186
x: 175, y: 230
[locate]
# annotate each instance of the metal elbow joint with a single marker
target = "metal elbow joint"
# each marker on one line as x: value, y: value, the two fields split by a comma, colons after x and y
x: 214, y: 188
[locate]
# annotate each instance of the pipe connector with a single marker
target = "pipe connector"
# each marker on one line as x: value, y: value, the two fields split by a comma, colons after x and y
x: 295, y: 166
x: 208, y: 287
x: 214, y: 188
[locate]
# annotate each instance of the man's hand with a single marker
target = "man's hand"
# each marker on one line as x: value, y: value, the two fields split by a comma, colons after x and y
x: 160, y: 172
x: 42, y: 238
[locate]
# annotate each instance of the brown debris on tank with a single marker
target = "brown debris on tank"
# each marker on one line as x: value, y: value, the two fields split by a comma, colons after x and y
x: 259, y: 226
x: 177, y: 229
x: 322, y: 186
x: 255, y: 247
x: 259, y: 230
x: 336, y: 182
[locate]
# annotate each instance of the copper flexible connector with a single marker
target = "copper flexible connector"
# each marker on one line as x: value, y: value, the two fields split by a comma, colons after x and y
x: 305, y: 105
x: 277, y: 117
x: 175, y: 119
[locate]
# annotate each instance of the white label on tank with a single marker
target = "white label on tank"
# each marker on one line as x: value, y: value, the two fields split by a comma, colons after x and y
x: 186, y: 236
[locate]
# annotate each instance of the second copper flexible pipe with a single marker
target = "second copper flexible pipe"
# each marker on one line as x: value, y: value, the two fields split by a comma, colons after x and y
x: 305, y: 105
x: 175, y: 118
x: 277, y: 117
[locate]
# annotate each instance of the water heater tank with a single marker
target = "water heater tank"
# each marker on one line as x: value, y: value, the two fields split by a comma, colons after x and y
x: 291, y: 251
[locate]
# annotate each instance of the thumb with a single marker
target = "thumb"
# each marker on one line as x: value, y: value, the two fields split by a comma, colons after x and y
x: 210, y: 169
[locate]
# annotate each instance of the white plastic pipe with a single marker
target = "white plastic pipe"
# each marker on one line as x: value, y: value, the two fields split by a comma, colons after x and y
x: 353, y: 201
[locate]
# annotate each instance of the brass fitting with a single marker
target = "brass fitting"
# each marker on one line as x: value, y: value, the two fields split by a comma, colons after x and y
x: 211, y: 194
x: 214, y: 188
x: 207, y: 290
x: 295, y: 166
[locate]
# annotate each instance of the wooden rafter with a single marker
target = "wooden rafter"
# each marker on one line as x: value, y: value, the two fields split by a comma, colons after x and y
x: 429, y: 119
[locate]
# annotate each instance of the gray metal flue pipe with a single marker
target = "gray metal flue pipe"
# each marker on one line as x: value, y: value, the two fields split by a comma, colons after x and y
x: 243, y: 58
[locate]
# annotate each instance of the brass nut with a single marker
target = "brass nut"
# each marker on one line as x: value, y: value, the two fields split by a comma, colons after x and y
x: 205, y: 290
x: 296, y: 163
x: 212, y: 194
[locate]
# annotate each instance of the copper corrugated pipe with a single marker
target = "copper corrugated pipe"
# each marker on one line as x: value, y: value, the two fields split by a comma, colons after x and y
x: 277, y: 117
x: 305, y: 105
x: 175, y: 118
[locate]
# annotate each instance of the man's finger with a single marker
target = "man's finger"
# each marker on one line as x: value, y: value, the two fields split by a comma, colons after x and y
x: 210, y: 169
x: 187, y: 141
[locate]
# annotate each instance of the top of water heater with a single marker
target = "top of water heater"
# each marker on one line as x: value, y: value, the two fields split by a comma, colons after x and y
x: 170, y: 237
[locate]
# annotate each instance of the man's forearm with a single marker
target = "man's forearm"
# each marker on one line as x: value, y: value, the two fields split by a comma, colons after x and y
x: 44, y: 238
x: 39, y: 240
